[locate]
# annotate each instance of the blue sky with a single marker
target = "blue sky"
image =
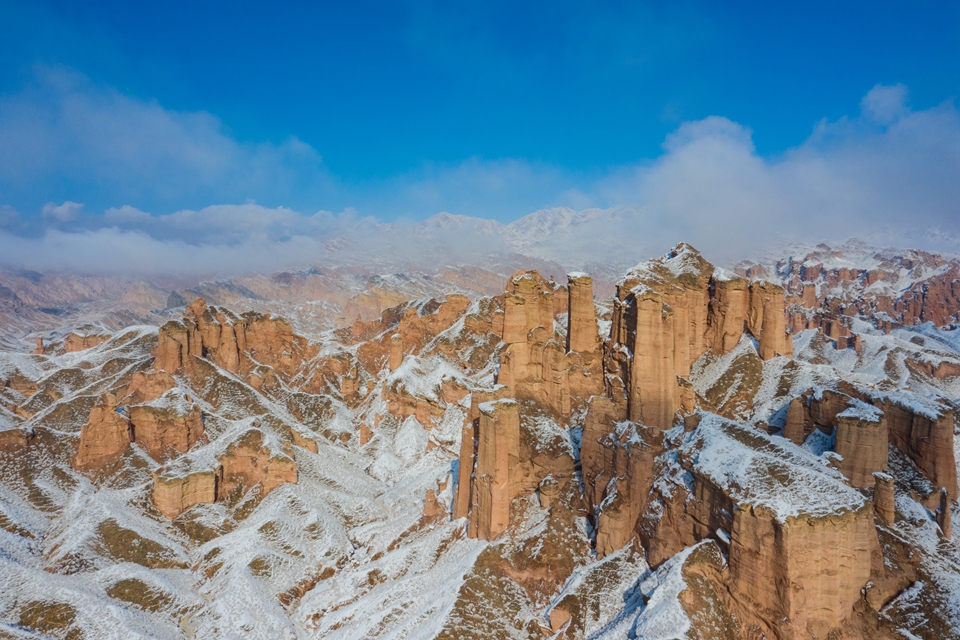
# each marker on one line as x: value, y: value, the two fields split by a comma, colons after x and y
x: 404, y: 109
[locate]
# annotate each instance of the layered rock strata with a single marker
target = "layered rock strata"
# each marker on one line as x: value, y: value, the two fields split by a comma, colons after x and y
x: 495, y: 476
x: 253, y: 346
x: 669, y: 312
x: 105, y: 436
x: 536, y: 364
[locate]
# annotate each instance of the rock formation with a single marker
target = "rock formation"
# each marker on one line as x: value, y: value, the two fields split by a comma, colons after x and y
x: 667, y: 313
x: 248, y: 461
x: 104, y: 437
x: 582, y: 335
x: 883, y: 498
x: 166, y: 431
x: 534, y: 366
x: 495, y: 476
x: 173, y: 494
x: 252, y: 345
x: 76, y: 342
x: 861, y: 440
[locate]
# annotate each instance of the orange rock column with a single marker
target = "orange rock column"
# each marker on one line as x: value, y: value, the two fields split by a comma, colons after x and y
x: 862, y: 442
x: 498, y: 452
x: 582, y: 332
x: 883, y: 499
x: 396, y: 351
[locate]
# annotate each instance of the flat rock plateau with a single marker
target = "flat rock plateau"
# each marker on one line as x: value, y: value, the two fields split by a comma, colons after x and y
x: 504, y: 450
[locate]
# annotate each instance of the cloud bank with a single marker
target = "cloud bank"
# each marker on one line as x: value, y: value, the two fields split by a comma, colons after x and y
x: 887, y: 174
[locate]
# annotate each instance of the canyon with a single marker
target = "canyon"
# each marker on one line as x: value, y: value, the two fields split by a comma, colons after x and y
x: 761, y: 451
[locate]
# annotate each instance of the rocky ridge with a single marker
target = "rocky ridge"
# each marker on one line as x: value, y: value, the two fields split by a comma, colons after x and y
x: 681, y: 459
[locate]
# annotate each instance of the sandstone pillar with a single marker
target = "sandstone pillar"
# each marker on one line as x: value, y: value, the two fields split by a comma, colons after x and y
x: 794, y: 429
x: 862, y: 442
x: 396, y: 351
x: 653, y: 394
x: 582, y: 331
x: 883, y: 499
x: 498, y: 452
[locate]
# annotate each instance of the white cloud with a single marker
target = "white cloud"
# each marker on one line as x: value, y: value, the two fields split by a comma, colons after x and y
x: 887, y: 173
x: 885, y: 104
x: 66, y: 212
x: 65, y: 132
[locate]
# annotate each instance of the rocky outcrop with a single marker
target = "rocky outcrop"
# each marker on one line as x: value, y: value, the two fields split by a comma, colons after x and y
x: 495, y: 475
x: 861, y: 441
x: 926, y: 437
x: 242, y: 345
x: 670, y: 311
x: 248, y: 461
x: 883, y: 498
x: 105, y: 436
x: 910, y: 287
x: 40, y: 349
x: 944, y: 515
x: 145, y: 387
x: 801, y: 576
x: 174, y: 494
x: 76, y: 342
x: 165, y: 430
x: 799, y: 542
x: 535, y: 365
x: 582, y: 333
x: 469, y: 441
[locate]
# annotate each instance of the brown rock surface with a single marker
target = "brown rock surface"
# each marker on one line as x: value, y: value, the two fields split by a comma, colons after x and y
x: 582, y: 331
x: 861, y: 439
x: 927, y: 440
x: 166, y: 431
x: 808, y: 571
x: 498, y: 451
x: 145, y: 387
x: 104, y: 438
x: 248, y: 462
x: 75, y: 342
x: 172, y: 495
x: 883, y: 498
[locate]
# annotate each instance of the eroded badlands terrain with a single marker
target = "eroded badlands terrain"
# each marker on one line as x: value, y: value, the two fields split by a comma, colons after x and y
x: 762, y: 452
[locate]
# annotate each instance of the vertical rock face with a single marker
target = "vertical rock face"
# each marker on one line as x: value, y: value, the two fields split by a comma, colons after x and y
x: 40, y: 349
x: 668, y: 313
x: 104, y: 438
x: 927, y: 439
x: 729, y: 311
x: 883, y: 498
x: 172, y: 495
x: 248, y: 461
x: 804, y: 575
x: 164, y: 432
x: 498, y: 451
x: 799, y: 542
x: 862, y: 442
x: 766, y: 303
x: 535, y: 365
x: 582, y: 331
x: 795, y: 429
